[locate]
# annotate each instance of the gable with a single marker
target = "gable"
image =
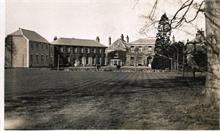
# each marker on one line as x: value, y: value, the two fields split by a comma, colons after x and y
x: 118, y: 45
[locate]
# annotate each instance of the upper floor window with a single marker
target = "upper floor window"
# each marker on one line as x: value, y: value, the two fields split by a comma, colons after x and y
x: 47, y: 58
x: 68, y: 49
x: 88, y: 50
x: 94, y: 50
x: 46, y: 46
x: 37, y: 59
x: 61, y: 49
x: 82, y: 50
x: 100, y: 51
x: 140, y: 49
x: 42, y: 58
x: 42, y: 46
x: 31, y: 59
x: 149, y: 48
x: 51, y: 49
x: 76, y: 50
x: 37, y: 45
x: 32, y: 46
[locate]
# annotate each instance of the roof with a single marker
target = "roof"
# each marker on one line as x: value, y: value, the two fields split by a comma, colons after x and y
x: 143, y: 41
x: 77, y: 42
x: 117, y: 45
x: 30, y: 35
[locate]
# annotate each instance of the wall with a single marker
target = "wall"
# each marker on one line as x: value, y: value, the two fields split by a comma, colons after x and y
x: 40, y: 50
x: 17, y: 55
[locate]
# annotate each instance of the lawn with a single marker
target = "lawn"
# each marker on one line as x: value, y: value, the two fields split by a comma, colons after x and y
x: 45, y: 99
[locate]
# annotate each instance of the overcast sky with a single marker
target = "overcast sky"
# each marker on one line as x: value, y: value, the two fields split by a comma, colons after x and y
x: 90, y: 18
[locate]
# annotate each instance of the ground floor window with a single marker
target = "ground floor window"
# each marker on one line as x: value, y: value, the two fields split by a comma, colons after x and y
x: 115, y: 62
x: 37, y: 59
x: 42, y: 59
x: 31, y: 59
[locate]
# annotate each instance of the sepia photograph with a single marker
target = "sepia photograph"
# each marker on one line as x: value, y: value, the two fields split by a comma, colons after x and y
x: 111, y: 65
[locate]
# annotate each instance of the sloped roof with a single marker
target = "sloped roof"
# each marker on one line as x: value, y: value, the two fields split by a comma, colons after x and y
x: 143, y: 41
x: 30, y: 35
x: 77, y: 42
x: 117, y: 45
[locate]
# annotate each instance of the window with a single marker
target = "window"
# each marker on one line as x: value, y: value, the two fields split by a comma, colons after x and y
x: 140, y: 48
x: 132, y: 48
x: 37, y: 45
x: 68, y: 49
x: 95, y: 50
x: 149, y: 48
x: 51, y: 49
x: 46, y: 58
x: 88, y: 50
x: 100, y: 51
x: 31, y: 59
x: 42, y: 59
x: 61, y: 49
x: 76, y: 50
x: 42, y: 46
x: 32, y: 46
x: 68, y: 59
x: 37, y: 59
x: 82, y: 50
x: 47, y: 47
x: 91, y: 50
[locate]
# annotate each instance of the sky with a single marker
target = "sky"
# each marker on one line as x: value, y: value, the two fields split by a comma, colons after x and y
x: 88, y: 19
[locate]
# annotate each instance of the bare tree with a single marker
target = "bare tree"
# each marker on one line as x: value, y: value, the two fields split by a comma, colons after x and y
x: 211, y: 10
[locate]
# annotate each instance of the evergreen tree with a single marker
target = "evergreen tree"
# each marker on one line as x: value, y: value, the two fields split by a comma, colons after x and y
x: 163, y: 36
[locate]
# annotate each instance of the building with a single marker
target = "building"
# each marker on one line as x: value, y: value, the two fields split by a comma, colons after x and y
x: 116, y: 52
x: 26, y: 48
x: 141, y: 52
x: 137, y: 53
x: 78, y: 52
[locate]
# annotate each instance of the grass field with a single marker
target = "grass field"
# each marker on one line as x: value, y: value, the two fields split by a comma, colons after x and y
x: 44, y: 99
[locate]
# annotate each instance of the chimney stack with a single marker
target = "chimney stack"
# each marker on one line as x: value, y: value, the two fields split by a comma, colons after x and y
x: 122, y: 37
x: 109, y: 41
x: 127, y: 39
x: 55, y: 38
x: 98, y: 39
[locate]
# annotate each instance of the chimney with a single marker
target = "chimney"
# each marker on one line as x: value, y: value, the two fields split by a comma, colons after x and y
x: 109, y: 41
x: 98, y: 39
x: 127, y: 38
x: 55, y: 38
x: 122, y: 37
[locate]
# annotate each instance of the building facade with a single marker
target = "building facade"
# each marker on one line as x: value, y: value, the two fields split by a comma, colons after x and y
x: 78, y: 52
x: 137, y: 53
x: 116, y: 52
x: 141, y: 52
x: 26, y: 48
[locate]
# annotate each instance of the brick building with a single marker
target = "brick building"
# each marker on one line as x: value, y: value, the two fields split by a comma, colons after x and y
x: 140, y: 52
x: 122, y: 52
x: 26, y: 48
x: 116, y: 52
x: 78, y: 52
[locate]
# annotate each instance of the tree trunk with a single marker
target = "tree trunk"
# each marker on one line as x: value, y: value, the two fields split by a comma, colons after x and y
x: 213, y: 36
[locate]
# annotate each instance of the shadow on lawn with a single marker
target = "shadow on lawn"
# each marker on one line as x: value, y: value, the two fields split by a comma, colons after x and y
x: 108, y: 105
